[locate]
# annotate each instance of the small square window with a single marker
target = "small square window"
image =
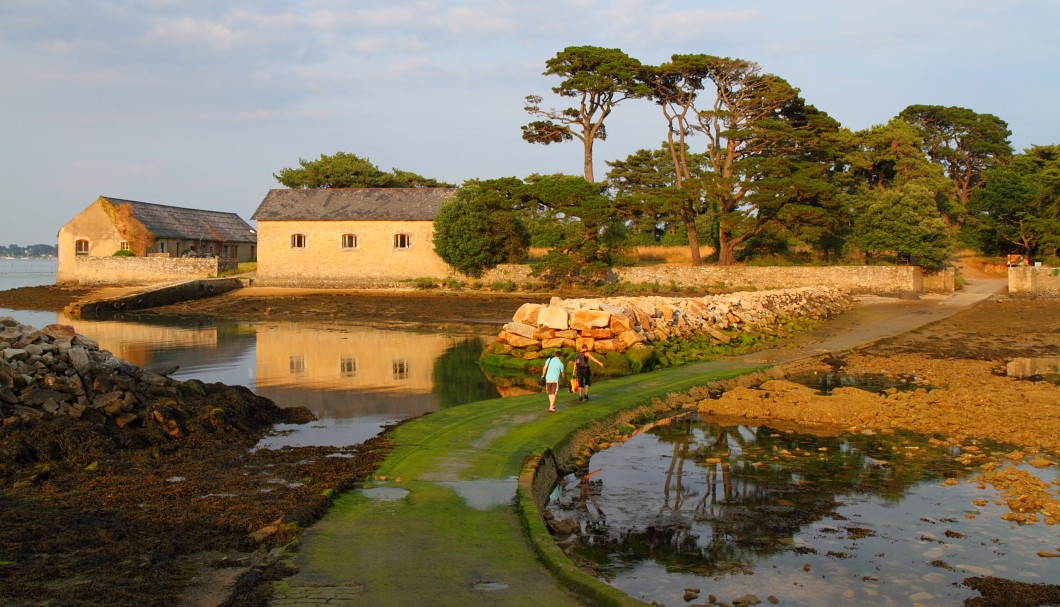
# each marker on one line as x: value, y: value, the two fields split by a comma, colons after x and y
x: 297, y: 241
x: 402, y: 241
x: 348, y: 367
x: 81, y: 247
x: 124, y: 246
x: 349, y: 241
x: 297, y: 363
x: 401, y: 369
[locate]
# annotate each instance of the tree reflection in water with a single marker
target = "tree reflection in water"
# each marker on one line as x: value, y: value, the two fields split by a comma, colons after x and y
x: 733, y: 495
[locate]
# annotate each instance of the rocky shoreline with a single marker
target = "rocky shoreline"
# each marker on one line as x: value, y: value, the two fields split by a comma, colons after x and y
x: 122, y: 486
x: 55, y: 371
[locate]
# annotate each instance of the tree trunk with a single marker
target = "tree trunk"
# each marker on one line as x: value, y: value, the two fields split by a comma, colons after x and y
x: 587, y: 156
x: 693, y: 242
x: 726, y: 249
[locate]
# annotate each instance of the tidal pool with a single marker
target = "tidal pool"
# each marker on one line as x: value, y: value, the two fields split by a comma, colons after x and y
x: 692, y: 508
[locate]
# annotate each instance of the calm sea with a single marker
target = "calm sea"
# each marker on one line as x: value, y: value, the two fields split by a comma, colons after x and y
x: 26, y: 273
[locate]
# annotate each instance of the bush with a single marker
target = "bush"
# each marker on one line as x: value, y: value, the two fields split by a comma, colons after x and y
x: 124, y: 253
x: 506, y: 286
x: 424, y: 283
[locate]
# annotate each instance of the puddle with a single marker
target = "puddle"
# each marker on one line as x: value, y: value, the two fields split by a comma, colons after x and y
x: 878, y: 383
x: 385, y: 494
x: 1039, y: 369
x: 485, y: 494
x: 489, y: 586
x: 803, y: 519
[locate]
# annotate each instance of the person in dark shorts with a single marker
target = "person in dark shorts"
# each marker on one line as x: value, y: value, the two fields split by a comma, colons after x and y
x: 582, y: 372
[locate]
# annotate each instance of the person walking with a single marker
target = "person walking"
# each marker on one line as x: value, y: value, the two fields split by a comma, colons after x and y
x: 554, y: 371
x: 582, y: 371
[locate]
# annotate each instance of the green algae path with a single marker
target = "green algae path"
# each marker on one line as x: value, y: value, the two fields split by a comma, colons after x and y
x: 440, y: 526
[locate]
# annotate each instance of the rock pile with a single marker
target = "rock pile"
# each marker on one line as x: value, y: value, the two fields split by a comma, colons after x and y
x: 623, y: 324
x: 55, y: 371
x: 616, y: 323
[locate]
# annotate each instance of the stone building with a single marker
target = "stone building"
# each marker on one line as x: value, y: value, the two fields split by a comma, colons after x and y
x: 356, y: 237
x: 145, y: 229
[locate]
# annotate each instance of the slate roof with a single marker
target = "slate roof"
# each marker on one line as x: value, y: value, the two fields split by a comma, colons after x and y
x: 165, y: 221
x: 346, y: 204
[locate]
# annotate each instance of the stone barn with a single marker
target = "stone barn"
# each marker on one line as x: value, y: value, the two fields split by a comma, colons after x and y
x: 350, y: 237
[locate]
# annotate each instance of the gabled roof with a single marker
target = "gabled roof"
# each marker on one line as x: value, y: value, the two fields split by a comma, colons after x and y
x: 188, y: 224
x: 364, y: 204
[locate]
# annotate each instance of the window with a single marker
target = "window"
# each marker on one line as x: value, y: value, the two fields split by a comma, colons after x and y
x: 297, y: 363
x: 349, y: 241
x: 81, y: 247
x: 161, y: 246
x: 402, y: 241
x: 348, y: 367
x: 401, y: 369
x: 297, y: 241
x: 124, y: 246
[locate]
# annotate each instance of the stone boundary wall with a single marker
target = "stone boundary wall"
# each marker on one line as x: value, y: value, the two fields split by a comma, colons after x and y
x: 334, y: 283
x: 876, y: 280
x: 91, y: 270
x: 940, y: 281
x: 1034, y: 280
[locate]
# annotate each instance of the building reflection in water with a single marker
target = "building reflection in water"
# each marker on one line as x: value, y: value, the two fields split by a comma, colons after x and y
x: 347, y: 375
x: 342, y: 371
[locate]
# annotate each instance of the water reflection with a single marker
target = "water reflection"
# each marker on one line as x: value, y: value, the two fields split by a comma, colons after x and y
x: 1045, y: 368
x: 811, y: 520
x: 355, y: 378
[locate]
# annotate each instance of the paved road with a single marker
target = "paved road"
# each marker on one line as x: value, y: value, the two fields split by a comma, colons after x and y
x: 438, y: 527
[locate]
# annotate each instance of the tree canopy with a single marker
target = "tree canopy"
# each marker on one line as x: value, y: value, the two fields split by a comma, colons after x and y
x: 599, y: 78
x: 479, y: 227
x: 964, y: 143
x: 905, y: 222
x: 1018, y: 206
x: 343, y: 170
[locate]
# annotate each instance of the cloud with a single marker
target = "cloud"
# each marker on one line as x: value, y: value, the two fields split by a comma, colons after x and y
x: 194, y: 32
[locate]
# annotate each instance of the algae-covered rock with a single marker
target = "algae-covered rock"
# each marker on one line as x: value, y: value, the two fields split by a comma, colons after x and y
x: 639, y: 357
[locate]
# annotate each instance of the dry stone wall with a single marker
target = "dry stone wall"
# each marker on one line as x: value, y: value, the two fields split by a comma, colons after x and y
x: 633, y: 325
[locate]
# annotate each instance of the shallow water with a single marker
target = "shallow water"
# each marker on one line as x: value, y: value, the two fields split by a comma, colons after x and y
x: 825, y: 382
x: 16, y: 273
x: 1043, y: 368
x: 810, y: 520
x: 356, y: 379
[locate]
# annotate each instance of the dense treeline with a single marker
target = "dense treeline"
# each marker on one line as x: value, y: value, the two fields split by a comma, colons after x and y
x: 749, y: 167
x: 33, y: 250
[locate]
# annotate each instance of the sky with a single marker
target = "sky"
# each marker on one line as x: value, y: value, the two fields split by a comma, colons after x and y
x: 197, y: 103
